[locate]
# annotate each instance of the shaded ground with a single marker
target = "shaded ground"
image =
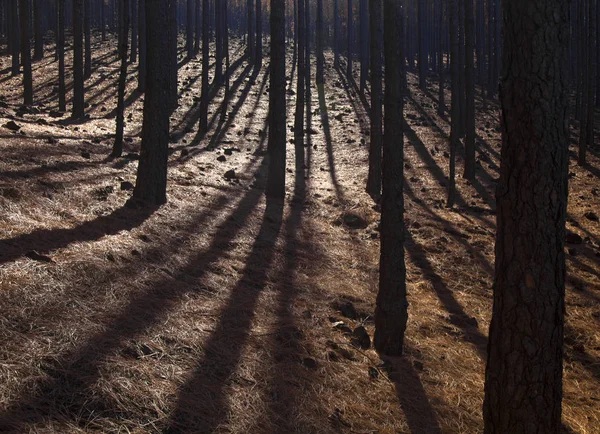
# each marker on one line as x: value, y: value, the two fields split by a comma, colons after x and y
x: 219, y: 312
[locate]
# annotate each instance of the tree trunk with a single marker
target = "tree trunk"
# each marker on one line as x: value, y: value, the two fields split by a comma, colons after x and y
x: 88, y: 41
x: 336, y: 34
x: 62, y: 92
x: 205, y: 67
x: 15, y: 39
x: 143, y: 45
x: 350, y: 41
x: 523, y: 387
x: 320, y: 56
x: 189, y: 29
x: 26, y: 52
x: 151, y: 183
x: 455, y: 93
x: 364, y: 42
x: 103, y: 19
x: 391, y: 312
x: 277, y: 118
x: 259, y: 53
x: 301, y: 78
x: 469, y: 169
x: 135, y: 7
x: 251, y: 54
x: 123, y: 51
x: 198, y: 29
x: 39, y: 36
x: 375, y: 148
x: 442, y: 102
x: 173, y: 33
x: 586, y: 128
x: 422, y: 52
x: 78, y: 78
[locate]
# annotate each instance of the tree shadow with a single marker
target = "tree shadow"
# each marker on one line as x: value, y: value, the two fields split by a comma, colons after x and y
x: 63, y: 393
x: 44, y: 241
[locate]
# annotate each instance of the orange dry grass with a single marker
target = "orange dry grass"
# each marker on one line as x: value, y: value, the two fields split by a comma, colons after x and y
x: 214, y: 313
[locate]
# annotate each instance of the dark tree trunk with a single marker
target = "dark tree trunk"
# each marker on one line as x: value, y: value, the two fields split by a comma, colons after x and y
x: 422, y: 52
x: 39, y: 36
x: 143, y: 45
x: 350, y: 41
x: 225, y: 36
x: 336, y: 34
x: 135, y: 7
x: 277, y: 116
x: 219, y: 45
x: 151, y: 183
x: 301, y: 78
x: 259, y: 35
x: 62, y: 92
x: 586, y: 129
x: 123, y: 51
x: 320, y: 56
x: 364, y: 43
x: 523, y: 387
x: 78, y: 78
x: 205, y: 67
x: 469, y: 169
x: 455, y: 94
x: 442, y: 102
x: 391, y: 312
x: 374, y: 177
x: 251, y: 46
x: 103, y: 19
x: 198, y: 29
x: 88, y: 41
x: 189, y: 29
x: 172, y: 37
x: 26, y: 52
x: 307, y: 52
x: 15, y: 39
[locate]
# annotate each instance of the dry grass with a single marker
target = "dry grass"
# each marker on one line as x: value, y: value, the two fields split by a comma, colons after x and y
x: 216, y: 312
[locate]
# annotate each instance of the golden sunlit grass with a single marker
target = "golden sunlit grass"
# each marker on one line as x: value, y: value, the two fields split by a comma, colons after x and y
x: 218, y: 313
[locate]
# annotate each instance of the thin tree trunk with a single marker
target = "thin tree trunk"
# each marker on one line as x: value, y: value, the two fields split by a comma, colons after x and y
x: 62, y: 92
x: 123, y: 52
x: 205, y: 66
x: 391, y: 312
x: 364, y: 42
x: 259, y: 53
x: 39, y: 37
x: 336, y: 34
x: 442, y: 102
x: 350, y: 41
x: 88, y: 40
x: 455, y: 92
x: 469, y: 169
x: 320, y: 78
x: 143, y: 45
x: 375, y: 147
x: 301, y: 79
x: 78, y: 75
x: 135, y: 7
x: 277, y: 116
x: 251, y: 45
x: 26, y: 52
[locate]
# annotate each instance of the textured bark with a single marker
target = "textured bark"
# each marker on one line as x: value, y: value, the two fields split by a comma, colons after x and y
x: 422, y: 51
x: 151, y: 183
x: 205, y: 67
x: 336, y: 34
x: 455, y: 104
x: 250, y: 41
x: 374, y: 177
x: 143, y: 45
x: 78, y: 78
x: 26, y: 52
x: 469, y: 169
x: 320, y: 78
x: 391, y: 312
x: 364, y: 41
x: 523, y: 387
x: 60, y: 46
x: 586, y: 134
x: 39, y: 37
x: 277, y: 115
x: 88, y: 39
x: 259, y: 35
x: 442, y: 103
x: 189, y: 29
x: 135, y: 5
x: 172, y: 34
x: 123, y: 49
x: 301, y: 76
x: 350, y: 41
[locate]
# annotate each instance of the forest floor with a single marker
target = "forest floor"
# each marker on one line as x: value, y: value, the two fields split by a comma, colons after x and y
x: 219, y: 313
